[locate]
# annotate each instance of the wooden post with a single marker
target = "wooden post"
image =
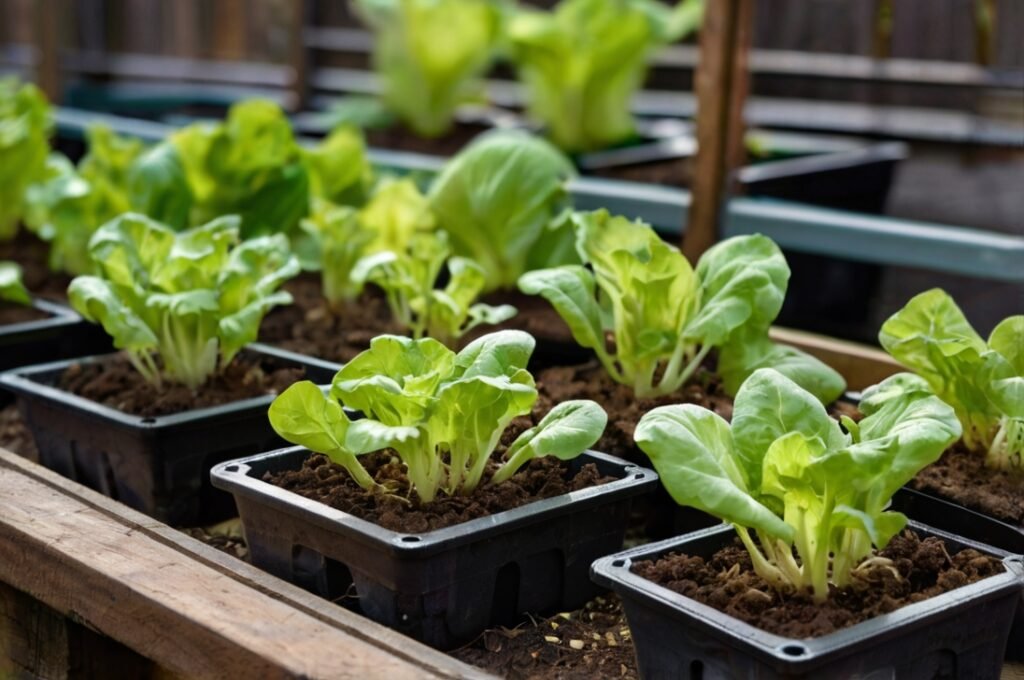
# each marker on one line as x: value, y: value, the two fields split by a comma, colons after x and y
x: 46, y: 30
x: 298, y: 55
x: 721, y: 85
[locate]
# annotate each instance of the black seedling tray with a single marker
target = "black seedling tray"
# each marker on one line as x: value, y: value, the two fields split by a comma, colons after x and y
x: 956, y: 519
x: 158, y: 465
x: 443, y: 587
x: 63, y: 335
x: 960, y: 634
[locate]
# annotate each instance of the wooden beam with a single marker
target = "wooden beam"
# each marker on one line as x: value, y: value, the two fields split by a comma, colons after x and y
x: 298, y: 52
x: 721, y: 84
x: 860, y: 365
x: 187, y: 607
x: 47, y: 43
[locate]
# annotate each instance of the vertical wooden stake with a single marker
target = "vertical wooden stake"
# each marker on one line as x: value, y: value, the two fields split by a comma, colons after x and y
x: 47, y: 43
x: 721, y: 85
x: 298, y: 55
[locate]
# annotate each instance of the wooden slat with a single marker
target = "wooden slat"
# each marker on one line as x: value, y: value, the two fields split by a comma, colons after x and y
x: 186, y: 606
x: 721, y: 86
x: 861, y: 365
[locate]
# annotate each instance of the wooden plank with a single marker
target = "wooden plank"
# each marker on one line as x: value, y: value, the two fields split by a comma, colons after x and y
x: 184, y: 605
x: 721, y: 87
x: 861, y: 365
x: 47, y: 43
x: 298, y: 54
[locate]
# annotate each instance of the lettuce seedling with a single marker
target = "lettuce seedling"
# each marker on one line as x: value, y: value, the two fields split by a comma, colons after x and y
x: 12, y: 289
x: 665, y: 317
x: 181, y: 304
x: 582, y: 62
x: 24, y: 144
x: 443, y: 413
x: 117, y: 175
x: 430, y: 55
x: 504, y: 203
x: 786, y: 474
x: 983, y: 382
x: 250, y: 165
x: 337, y: 237
x: 408, y: 278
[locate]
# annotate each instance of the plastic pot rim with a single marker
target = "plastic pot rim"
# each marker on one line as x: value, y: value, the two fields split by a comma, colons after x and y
x: 20, y: 381
x: 614, y: 572
x: 234, y: 476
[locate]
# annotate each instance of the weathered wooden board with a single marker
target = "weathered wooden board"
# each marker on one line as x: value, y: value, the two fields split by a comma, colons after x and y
x: 188, y: 608
x: 861, y: 365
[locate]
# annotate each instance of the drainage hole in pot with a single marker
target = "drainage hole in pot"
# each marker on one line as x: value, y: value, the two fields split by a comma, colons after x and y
x: 148, y: 421
x: 619, y: 563
x: 231, y: 468
x: 410, y: 539
x: 696, y: 670
x: 638, y: 475
x: 794, y: 650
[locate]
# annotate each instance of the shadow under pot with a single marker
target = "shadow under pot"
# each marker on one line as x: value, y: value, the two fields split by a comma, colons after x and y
x: 446, y: 586
x: 47, y: 331
x: 159, y: 465
x: 957, y: 634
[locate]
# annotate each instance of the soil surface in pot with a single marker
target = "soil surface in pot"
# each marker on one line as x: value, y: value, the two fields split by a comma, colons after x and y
x: 32, y: 253
x: 400, y: 138
x: 114, y: 382
x: 961, y: 476
x: 328, y: 483
x: 11, y: 314
x: 728, y: 583
x: 310, y: 326
x: 676, y: 172
x: 592, y: 642
x: 15, y: 435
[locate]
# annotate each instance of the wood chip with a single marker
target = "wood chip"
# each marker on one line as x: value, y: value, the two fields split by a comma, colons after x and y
x: 610, y: 639
x: 576, y: 644
x: 552, y: 639
x: 566, y: 615
x: 554, y: 626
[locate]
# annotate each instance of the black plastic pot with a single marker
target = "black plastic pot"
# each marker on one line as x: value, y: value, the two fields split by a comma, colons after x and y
x: 956, y: 519
x: 960, y: 634
x: 443, y: 587
x: 159, y: 465
x: 62, y: 335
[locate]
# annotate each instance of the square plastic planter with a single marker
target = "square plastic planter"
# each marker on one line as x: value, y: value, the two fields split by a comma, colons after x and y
x: 960, y: 634
x: 63, y: 334
x: 956, y: 519
x: 443, y: 587
x: 157, y: 465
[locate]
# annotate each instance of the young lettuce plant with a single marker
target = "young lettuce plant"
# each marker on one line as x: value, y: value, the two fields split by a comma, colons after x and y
x: 983, y: 382
x: 582, y: 62
x: 442, y: 412
x: 12, y: 289
x: 408, y: 278
x: 117, y: 175
x: 504, y: 203
x: 24, y: 144
x: 665, y: 317
x: 430, y: 55
x: 338, y: 237
x: 785, y: 473
x: 181, y: 305
x: 250, y: 165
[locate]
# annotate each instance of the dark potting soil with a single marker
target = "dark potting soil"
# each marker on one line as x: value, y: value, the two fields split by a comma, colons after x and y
x: 961, y: 476
x: 328, y: 483
x: 114, y: 382
x: 534, y: 314
x: 591, y: 381
x: 592, y: 642
x: 728, y: 583
x: 310, y: 326
x: 11, y: 313
x: 400, y: 138
x: 15, y: 435
x: 32, y: 253
x: 674, y: 172
x: 226, y: 537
